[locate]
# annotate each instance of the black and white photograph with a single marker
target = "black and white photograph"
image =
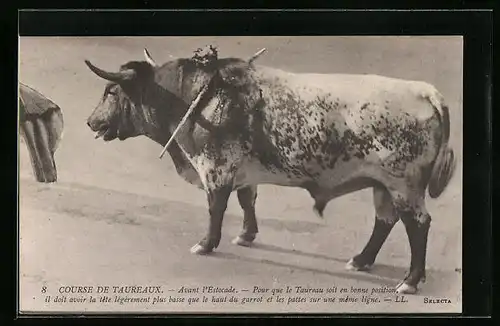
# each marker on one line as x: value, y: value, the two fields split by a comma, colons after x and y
x: 240, y: 174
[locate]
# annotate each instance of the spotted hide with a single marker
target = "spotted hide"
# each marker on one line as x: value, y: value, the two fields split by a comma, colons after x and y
x: 41, y: 125
x: 329, y: 134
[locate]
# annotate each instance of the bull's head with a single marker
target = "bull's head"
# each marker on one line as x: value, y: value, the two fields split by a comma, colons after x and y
x: 119, y: 113
x: 143, y: 98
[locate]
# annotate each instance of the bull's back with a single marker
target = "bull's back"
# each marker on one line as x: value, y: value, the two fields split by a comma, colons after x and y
x: 345, y: 123
x: 350, y: 89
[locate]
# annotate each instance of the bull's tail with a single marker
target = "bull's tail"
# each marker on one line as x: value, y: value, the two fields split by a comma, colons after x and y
x: 444, y: 166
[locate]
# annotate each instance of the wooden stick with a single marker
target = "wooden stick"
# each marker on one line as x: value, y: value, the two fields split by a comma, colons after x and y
x: 252, y: 58
x: 184, y: 119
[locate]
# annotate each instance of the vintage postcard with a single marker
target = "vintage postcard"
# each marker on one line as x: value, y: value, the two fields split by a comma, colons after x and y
x: 240, y: 174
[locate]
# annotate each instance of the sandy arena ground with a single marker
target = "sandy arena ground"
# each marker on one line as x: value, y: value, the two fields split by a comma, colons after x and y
x: 121, y: 216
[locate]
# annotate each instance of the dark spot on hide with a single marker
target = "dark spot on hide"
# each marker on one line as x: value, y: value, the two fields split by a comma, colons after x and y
x: 404, y: 135
x: 356, y: 145
x: 213, y: 176
x: 290, y: 142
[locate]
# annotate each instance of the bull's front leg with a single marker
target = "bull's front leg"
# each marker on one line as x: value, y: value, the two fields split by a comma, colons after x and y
x: 247, y: 197
x: 217, y: 204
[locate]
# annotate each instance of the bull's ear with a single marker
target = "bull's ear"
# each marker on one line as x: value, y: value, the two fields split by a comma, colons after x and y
x: 117, y: 77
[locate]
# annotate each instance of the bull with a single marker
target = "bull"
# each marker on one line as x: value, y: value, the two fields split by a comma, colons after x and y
x: 41, y: 126
x: 331, y: 134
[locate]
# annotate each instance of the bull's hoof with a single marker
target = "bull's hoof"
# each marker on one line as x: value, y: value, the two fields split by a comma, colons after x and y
x: 241, y: 241
x: 199, y: 249
x: 405, y: 288
x: 353, y: 266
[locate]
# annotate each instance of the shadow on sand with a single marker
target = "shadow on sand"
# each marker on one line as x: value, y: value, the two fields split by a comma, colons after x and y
x: 437, y: 282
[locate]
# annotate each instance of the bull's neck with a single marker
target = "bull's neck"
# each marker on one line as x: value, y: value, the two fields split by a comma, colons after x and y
x: 180, y: 160
x: 161, y: 110
x: 161, y: 135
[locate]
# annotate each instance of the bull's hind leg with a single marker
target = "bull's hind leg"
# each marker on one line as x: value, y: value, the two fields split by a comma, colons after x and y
x: 417, y: 221
x: 247, y: 197
x: 385, y: 219
x: 217, y: 203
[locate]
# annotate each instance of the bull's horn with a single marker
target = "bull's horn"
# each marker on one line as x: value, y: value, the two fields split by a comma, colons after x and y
x: 256, y: 55
x: 112, y: 76
x: 149, y: 59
